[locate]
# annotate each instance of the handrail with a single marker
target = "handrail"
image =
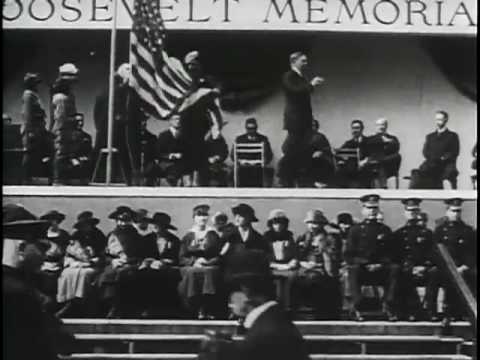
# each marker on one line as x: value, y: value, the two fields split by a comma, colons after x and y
x: 448, y: 267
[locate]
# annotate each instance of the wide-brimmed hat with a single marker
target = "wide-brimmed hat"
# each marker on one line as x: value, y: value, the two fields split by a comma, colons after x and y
x: 246, y: 211
x: 68, y: 71
x: 53, y: 215
x: 19, y: 223
x: 86, y: 217
x: 122, y: 213
x: 315, y: 216
x: 163, y: 220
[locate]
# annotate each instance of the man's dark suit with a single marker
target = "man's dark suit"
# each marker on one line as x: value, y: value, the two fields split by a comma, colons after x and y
x: 272, y: 336
x: 349, y: 175
x: 440, y: 151
x: 297, y: 119
x: 385, y: 156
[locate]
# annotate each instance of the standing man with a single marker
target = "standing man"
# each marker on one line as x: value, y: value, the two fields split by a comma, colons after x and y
x: 369, y: 254
x: 441, y: 150
x: 384, y: 154
x: 415, y: 241
x: 28, y: 331
x: 270, y: 334
x: 460, y: 241
x: 297, y: 116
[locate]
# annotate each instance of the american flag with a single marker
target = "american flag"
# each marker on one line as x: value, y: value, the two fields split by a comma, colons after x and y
x: 160, y: 81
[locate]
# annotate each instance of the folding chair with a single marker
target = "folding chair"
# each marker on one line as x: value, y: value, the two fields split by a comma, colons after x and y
x: 255, y: 157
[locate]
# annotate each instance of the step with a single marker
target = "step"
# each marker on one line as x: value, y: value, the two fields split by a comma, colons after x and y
x: 313, y: 357
x: 339, y: 344
x: 79, y: 326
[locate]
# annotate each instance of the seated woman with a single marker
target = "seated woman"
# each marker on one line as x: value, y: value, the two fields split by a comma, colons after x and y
x: 199, y: 258
x: 319, y: 267
x: 159, y: 274
x: 77, y: 279
x: 283, y: 254
x: 53, y: 263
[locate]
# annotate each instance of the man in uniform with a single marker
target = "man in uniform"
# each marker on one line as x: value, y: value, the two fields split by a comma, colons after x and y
x: 28, y: 331
x: 415, y: 242
x: 460, y: 241
x: 269, y: 333
x: 251, y: 175
x: 440, y: 150
x: 383, y: 151
x: 369, y: 254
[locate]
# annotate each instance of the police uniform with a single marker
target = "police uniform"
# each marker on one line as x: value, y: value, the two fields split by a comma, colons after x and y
x: 460, y: 241
x: 370, y: 243
x: 418, y: 264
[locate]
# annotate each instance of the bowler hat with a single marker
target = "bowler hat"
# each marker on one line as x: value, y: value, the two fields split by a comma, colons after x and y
x: 53, y: 215
x: 316, y: 216
x: 86, y: 217
x: 19, y: 223
x: 163, y: 220
x: 246, y: 211
x: 122, y: 213
x: 68, y: 70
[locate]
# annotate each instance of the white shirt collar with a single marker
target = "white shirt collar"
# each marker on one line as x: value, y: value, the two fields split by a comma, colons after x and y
x: 255, y: 313
x: 441, y: 130
x: 297, y: 71
x: 244, y: 233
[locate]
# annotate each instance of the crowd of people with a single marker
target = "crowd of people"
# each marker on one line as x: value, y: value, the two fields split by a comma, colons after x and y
x: 142, y: 269
x: 193, y: 151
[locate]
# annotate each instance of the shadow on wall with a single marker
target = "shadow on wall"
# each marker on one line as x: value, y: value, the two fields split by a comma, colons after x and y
x: 367, y: 77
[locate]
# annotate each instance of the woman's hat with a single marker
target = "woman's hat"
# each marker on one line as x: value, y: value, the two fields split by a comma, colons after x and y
x: 86, y: 217
x: 316, y: 216
x: 245, y: 211
x: 201, y: 210
x: 68, y: 71
x: 53, y: 215
x: 19, y: 223
x: 122, y: 213
x: 163, y: 220
x: 345, y: 218
x: 277, y: 214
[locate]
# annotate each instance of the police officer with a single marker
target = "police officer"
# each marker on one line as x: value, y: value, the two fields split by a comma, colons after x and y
x: 460, y: 241
x: 28, y: 331
x: 369, y: 255
x: 418, y: 268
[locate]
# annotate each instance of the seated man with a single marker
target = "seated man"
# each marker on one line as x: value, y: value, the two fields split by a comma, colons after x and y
x: 383, y: 152
x: 251, y: 175
x: 318, y: 168
x: 415, y: 242
x: 148, y: 143
x: 440, y: 150
x: 352, y: 173
x: 216, y: 148
x: 81, y: 152
x: 369, y: 255
x: 173, y: 154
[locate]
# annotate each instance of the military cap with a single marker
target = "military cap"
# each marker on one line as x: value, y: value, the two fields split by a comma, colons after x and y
x: 31, y: 78
x: 345, y: 218
x: 86, y: 217
x: 53, y: 215
x: 251, y: 121
x: 201, y: 210
x: 412, y: 203
x: 68, y: 70
x: 191, y: 57
x: 219, y: 218
x: 122, y: 213
x: 140, y: 215
x: 162, y: 219
x: 370, y: 200
x: 19, y: 223
x: 246, y: 211
x: 315, y: 216
x: 454, y: 203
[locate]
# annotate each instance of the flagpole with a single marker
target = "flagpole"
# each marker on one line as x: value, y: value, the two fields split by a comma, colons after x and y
x: 111, y: 94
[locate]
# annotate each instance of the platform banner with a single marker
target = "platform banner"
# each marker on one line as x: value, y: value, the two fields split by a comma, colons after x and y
x: 383, y: 16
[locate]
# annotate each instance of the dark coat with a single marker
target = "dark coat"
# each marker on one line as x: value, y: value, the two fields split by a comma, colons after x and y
x: 130, y: 241
x: 170, y: 251
x: 298, y: 114
x: 191, y: 250
x: 32, y: 110
x: 272, y: 336
x: 94, y: 238
x: 385, y: 152
x: 288, y: 249
x: 441, y: 151
x: 217, y: 147
x: 28, y: 331
x: 370, y: 242
x: 460, y: 240
x: 258, y: 138
x: 416, y: 245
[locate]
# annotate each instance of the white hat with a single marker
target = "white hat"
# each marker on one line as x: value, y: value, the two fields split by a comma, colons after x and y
x: 68, y: 70
x: 191, y: 56
x: 124, y: 71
